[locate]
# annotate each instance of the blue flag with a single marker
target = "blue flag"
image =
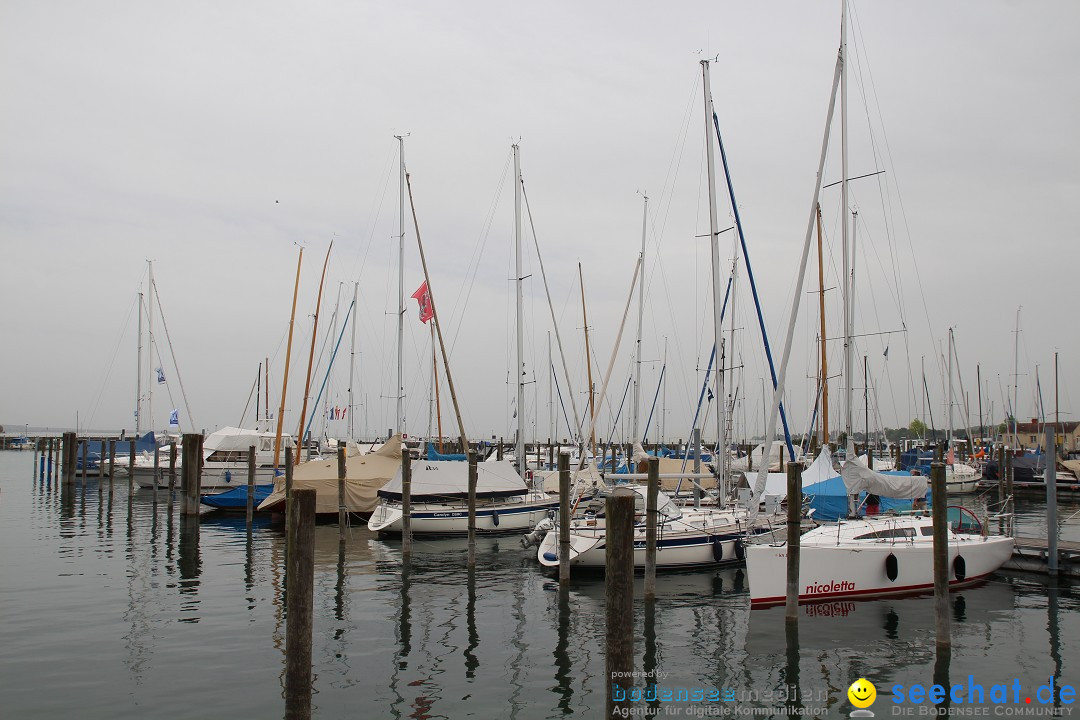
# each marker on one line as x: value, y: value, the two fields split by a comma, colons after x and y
x: 174, y: 418
x: 160, y: 376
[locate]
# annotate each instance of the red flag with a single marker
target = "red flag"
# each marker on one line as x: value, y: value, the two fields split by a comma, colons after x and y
x: 427, y: 310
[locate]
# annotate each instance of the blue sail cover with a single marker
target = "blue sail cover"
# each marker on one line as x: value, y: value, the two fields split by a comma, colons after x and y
x: 146, y: 443
x: 236, y: 498
x: 829, y: 499
x: 433, y: 454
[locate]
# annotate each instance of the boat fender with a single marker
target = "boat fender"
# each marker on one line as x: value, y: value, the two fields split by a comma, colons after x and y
x: 892, y: 567
x: 718, y: 550
x: 550, y: 556
x: 495, y: 518
x: 228, y: 476
x: 740, y: 550
x: 960, y: 568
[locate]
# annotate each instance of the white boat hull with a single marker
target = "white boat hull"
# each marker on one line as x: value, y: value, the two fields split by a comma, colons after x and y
x: 674, y: 551
x: 828, y: 572
x: 505, y: 515
x: 213, y: 478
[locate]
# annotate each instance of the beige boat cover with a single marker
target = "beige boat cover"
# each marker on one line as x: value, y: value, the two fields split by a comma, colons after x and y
x: 364, y: 476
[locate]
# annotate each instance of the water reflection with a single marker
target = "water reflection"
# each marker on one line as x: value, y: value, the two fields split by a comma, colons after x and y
x: 431, y: 638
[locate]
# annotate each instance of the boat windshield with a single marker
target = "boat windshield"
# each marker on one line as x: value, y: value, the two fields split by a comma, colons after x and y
x: 962, y: 520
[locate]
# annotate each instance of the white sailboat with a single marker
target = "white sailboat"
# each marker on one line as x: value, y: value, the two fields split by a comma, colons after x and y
x: 439, y: 489
x: 880, y: 555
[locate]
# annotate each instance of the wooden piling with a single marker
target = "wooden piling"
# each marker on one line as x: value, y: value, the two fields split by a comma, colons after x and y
x: 249, y: 504
x: 190, y: 482
x: 651, y: 494
x: 1009, y: 474
x: 172, y: 466
x: 406, y: 505
x: 67, y: 463
x: 341, y: 507
x: 131, y: 466
x: 941, y: 554
x: 82, y: 447
x: 564, y: 519
x: 299, y: 599
x: 472, y: 506
x: 1051, y: 501
x: 619, y: 599
x: 794, y: 539
x: 112, y: 460
x: 157, y: 467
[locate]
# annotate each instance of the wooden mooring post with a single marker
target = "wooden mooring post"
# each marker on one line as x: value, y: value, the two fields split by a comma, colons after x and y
x: 68, y: 458
x: 172, y: 466
x: 112, y: 460
x: 249, y: 505
x: 299, y: 599
x: 82, y: 447
x: 341, y: 507
x: 191, y: 480
x: 472, y: 507
x: 131, y: 467
x: 406, y: 504
x: 941, y: 554
x: 794, y: 539
x: 564, y: 519
x: 651, y: 494
x: 1051, y: 501
x: 619, y: 599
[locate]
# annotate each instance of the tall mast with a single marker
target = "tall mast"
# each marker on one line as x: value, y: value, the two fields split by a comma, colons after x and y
x: 1016, y: 377
x: 714, y: 246
x: 663, y: 400
x: 588, y: 367
x: 139, y: 375
x: 551, y: 389
x: 519, y: 445
x: 311, y: 357
x: 150, y: 346
x: 948, y: 441
x: 640, y: 316
x: 288, y: 354
x: 352, y: 361
x: 399, y: 420
x: 844, y: 225
x: 824, y: 356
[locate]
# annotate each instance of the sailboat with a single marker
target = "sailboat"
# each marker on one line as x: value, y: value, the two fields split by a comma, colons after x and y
x: 881, y: 555
x: 439, y: 488
x: 686, y: 536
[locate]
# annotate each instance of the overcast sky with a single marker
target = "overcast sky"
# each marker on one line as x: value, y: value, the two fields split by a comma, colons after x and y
x: 217, y: 138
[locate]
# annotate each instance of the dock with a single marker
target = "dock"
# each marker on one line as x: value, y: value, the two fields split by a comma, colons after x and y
x: 1031, y: 554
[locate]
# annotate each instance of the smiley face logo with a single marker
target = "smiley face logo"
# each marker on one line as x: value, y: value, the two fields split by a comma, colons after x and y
x: 862, y: 693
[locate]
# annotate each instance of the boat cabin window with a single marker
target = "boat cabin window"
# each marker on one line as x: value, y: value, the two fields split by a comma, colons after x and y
x: 904, y: 532
x: 266, y: 444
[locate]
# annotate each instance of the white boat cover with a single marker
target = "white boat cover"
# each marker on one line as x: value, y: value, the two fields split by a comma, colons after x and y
x: 435, y: 480
x: 239, y: 439
x: 821, y: 469
x: 859, y: 478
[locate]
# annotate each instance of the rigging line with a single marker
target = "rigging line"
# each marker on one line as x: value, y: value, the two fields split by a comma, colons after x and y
x: 357, y: 274
x: 176, y: 367
x: 551, y: 307
x: 753, y: 284
x: 857, y: 177
x: 457, y: 318
x: 96, y: 400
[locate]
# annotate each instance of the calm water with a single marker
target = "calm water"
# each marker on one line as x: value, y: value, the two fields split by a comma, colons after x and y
x: 110, y: 607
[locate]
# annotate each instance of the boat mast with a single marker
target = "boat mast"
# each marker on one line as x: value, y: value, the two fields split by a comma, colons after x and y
x: 848, y: 348
x: 150, y: 345
x: 1016, y: 377
x: 824, y: 356
x: 139, y: 374
x: 288, y: 353
x: 399, y: 420
x: 588, y: 368
x: 714, y: 247
x: 519, y: 444
x: 640, y: 316
x: 352, y: 361
x: 311, y: 357
x: 948, y: 441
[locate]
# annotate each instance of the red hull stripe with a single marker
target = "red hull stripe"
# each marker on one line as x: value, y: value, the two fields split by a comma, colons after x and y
x: 904, y: 589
